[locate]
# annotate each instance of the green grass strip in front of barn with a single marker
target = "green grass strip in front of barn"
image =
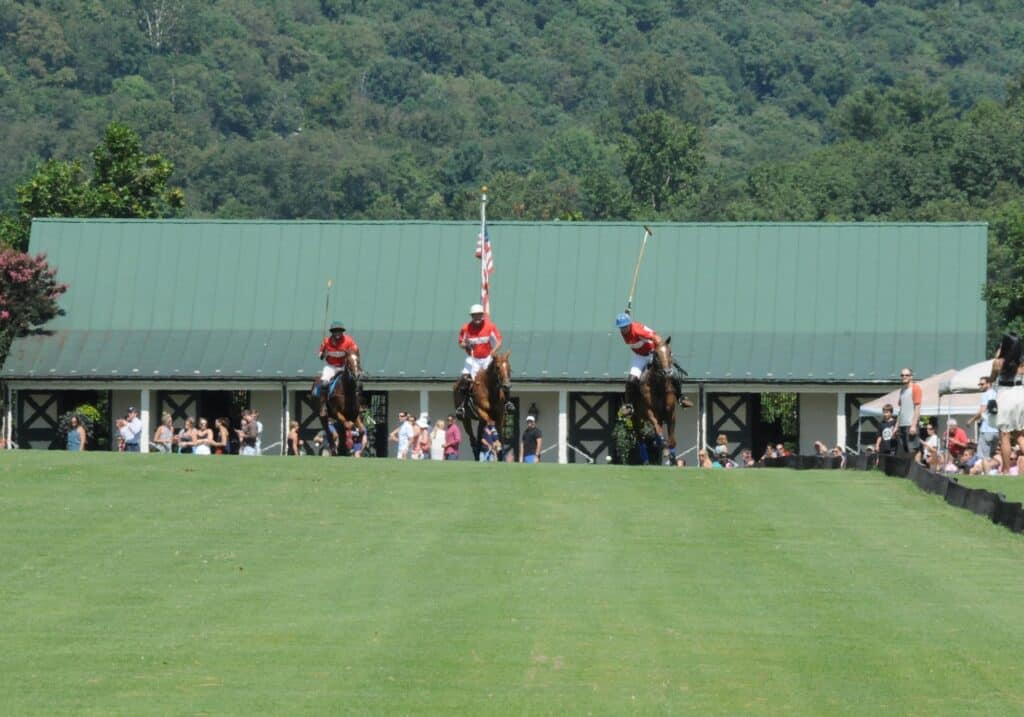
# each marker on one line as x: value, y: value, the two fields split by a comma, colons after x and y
x: 152, y: 584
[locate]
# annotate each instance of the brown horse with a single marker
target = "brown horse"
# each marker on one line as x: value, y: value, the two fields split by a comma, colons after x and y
x: 656, y: 400
x: 489, y: 397
x: 342, y: 405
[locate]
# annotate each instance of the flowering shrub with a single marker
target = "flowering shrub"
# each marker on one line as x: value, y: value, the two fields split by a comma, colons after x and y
x: 28, y: 295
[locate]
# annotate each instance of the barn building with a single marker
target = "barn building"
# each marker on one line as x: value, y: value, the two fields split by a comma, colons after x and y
x: 203, y: 317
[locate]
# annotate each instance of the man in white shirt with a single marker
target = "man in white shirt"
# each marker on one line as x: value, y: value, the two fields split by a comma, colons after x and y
x: 130, y: 430
x: 988, y: 434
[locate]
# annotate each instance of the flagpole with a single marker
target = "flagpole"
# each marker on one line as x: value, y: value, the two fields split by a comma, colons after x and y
x: 484, y: 293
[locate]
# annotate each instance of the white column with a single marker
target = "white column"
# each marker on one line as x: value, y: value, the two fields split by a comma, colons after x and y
x: 702, y: 421
x: 286, y: 419
x: 144, y: 417
x: 841, y: 420
x: 9, y: 419
x: 424, y: 402
x: 563, y: 426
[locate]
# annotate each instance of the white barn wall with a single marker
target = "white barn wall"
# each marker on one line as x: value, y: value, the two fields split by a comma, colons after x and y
x: 817, y: 420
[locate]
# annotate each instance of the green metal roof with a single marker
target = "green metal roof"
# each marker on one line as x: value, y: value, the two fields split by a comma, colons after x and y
x: 743, y: 302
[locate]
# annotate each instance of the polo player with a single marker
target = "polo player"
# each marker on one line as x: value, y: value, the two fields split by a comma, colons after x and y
x: 480, y: 339
x: 643, y: 340
x: 334, y: 352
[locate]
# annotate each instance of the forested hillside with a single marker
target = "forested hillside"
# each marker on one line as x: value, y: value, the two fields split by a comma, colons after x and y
x: 648, y: 109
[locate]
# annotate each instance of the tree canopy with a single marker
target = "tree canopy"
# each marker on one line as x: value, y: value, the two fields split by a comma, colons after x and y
x: 600, y: 109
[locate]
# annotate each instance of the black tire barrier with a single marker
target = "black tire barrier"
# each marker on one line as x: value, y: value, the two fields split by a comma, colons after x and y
x: 993, y: 506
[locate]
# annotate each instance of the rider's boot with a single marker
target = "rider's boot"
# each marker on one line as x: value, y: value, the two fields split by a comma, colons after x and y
x: 461, y: 393
x: 684, y: 401
x: 632, y: 391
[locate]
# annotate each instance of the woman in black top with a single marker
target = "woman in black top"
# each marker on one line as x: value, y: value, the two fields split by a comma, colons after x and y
x: 1009, y: 413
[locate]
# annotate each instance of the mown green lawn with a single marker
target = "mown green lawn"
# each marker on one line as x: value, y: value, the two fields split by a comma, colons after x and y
x: 156, y: 584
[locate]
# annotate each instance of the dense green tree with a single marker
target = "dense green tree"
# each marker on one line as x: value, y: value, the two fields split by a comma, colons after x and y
x: 662, y: 159
x: 125, y: 183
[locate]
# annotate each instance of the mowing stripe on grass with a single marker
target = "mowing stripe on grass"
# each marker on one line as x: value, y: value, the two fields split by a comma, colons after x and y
x: 170, y: 584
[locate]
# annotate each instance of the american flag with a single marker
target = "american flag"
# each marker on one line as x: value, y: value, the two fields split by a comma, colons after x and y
x: 486, y: 257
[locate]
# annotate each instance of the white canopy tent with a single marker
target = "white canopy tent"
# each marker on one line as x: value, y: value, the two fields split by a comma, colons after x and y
x: 966, y: 379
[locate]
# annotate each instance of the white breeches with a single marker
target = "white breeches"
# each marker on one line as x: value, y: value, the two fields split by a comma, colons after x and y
x: 329, y: 372
x: 475, y: 365
x: 638, y: 364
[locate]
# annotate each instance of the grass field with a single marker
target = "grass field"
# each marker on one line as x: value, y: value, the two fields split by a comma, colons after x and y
x: 155, y: 584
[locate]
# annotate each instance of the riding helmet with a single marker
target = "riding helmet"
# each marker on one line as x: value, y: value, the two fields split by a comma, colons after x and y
x: 337, y: 326
x: 476, y: 309
x: 623, y: 320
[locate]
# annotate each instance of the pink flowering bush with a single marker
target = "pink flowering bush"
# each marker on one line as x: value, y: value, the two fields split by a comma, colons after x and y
x: 28, y: 295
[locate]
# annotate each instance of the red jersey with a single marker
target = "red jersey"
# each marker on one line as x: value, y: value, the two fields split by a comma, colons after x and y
x: 480, y: 339
x: 641, y: 338
x: 335, y: 352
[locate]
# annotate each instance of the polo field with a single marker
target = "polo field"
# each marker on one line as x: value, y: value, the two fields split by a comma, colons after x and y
x: 162, y: 584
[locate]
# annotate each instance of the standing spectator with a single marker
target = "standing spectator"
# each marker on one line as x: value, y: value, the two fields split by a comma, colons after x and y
x: 76, y: 435
x: 530, y: 442
x: 1006, y: 368
x: 248, y: 434
x: 358, y: 441
x: 910, y: 413
x: 490, y: 443
x: 746, y: 459
x: 452, y: 440
x: 888, y: 433
x: 130, y: 429
x: 259, y: 431
x: 294, y: 445
x: 956, y: 440
x: 222, y: 436
x: 721, y: 445
x: 988, y: 434
x: 401, y: 435
x: 163, y: 436
x: 186, y: 437
x: 704, y: 461
x: 420, y: 442
x: 204, y: 439
x: 437, y: 442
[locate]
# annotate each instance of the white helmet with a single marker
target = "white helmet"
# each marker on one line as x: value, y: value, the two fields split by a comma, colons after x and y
x: 476, y: 309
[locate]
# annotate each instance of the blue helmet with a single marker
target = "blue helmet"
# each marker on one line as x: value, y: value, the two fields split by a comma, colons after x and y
x: 623, y: 320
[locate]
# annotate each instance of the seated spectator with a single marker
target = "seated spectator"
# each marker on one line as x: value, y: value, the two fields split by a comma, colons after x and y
x: 820, y: 450
x: 929, y: 453
x: 968, y: 459
x: 956, y: 440
x: 703, y: 460
x: 769, y: 452
x: 746, y: 459
x: 838, y: 452
x: 781, y: 451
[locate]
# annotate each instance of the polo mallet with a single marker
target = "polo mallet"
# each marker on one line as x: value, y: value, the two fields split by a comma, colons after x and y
x: 636, y: 271
x: 327, y: 305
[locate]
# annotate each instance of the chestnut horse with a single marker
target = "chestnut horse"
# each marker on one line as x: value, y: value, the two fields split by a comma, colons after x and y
x: 489, y: 398
x: 342, y: 404
x: 656, y: 402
